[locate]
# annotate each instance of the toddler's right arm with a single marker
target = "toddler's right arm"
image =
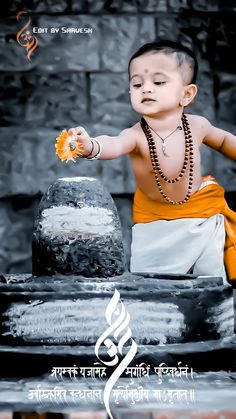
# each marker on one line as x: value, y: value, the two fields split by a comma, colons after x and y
x: 105, y: 147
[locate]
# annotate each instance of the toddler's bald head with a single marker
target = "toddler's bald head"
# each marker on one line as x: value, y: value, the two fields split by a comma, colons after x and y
x: 185, y: 58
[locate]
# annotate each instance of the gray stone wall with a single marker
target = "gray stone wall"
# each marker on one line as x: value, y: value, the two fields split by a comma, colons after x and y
x: 76, y: 79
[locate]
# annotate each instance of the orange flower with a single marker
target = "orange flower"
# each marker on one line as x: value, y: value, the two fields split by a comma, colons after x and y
x: 67, y: 147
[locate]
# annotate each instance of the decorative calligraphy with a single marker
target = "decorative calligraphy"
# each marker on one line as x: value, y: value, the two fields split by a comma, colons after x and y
x: 71, y: 390
x: 24, y: 36
x: 117, y: 327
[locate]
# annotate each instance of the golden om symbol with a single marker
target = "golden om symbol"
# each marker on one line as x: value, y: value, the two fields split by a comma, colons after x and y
x: 24, y: 37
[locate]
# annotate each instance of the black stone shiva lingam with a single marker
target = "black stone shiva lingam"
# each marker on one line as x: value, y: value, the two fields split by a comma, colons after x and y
x: 56, y: 317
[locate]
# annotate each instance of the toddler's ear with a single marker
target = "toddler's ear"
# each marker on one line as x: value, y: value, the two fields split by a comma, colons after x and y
x: 190, y: 92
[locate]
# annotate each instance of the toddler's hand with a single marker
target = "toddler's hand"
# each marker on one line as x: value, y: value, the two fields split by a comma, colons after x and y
x: 79, y: 134
x: 73, y: 143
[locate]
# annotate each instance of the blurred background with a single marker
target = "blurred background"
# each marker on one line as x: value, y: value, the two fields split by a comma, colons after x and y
x: 81, y: 79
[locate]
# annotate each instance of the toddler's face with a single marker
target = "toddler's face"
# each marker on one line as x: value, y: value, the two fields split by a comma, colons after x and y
x: 156, y: 83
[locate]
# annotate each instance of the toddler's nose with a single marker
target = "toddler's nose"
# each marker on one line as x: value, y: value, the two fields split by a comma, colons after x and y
x: 147, y: 87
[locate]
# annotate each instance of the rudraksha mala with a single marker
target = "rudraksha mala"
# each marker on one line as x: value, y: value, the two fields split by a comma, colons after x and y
x: 188, y: 158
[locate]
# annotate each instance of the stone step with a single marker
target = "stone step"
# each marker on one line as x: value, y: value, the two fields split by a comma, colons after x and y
x: 72, y: 310
x: 36, y: 361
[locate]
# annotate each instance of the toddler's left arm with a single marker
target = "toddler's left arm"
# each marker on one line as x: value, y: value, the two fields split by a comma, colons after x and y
x: 219, y: 139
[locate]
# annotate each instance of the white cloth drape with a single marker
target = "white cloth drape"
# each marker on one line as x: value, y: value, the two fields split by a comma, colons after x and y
x: 179, y: 246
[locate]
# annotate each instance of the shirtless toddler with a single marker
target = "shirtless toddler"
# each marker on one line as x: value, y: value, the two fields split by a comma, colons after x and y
x: 169, y: 235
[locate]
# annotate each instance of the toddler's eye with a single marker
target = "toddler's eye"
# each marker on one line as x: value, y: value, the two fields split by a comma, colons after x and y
x: 137, y: 85
x: 159, y: 82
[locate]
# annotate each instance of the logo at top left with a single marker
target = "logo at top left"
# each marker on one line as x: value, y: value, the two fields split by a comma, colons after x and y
x: 25, y: 37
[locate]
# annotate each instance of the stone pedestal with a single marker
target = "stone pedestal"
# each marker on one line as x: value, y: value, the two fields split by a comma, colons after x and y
x: 49, y: 322
x: 77, y: 231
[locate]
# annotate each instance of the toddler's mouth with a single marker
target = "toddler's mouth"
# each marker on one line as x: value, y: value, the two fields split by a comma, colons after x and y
x: 147, y: 99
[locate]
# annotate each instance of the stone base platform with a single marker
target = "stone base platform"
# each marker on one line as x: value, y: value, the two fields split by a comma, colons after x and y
x: 52, y: 322
x: 210, y: 391
x: 35, y: 361
x: 173, y: 318
x: 71, y: 310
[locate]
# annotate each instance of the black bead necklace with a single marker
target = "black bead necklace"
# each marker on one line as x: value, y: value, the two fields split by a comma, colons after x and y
x: 188, y: 158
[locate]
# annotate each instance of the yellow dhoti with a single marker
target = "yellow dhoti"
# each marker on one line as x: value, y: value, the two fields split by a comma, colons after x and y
x: 204, y: 204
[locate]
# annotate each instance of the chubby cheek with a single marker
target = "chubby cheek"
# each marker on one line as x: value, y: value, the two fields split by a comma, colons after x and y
x: 135, y: 101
